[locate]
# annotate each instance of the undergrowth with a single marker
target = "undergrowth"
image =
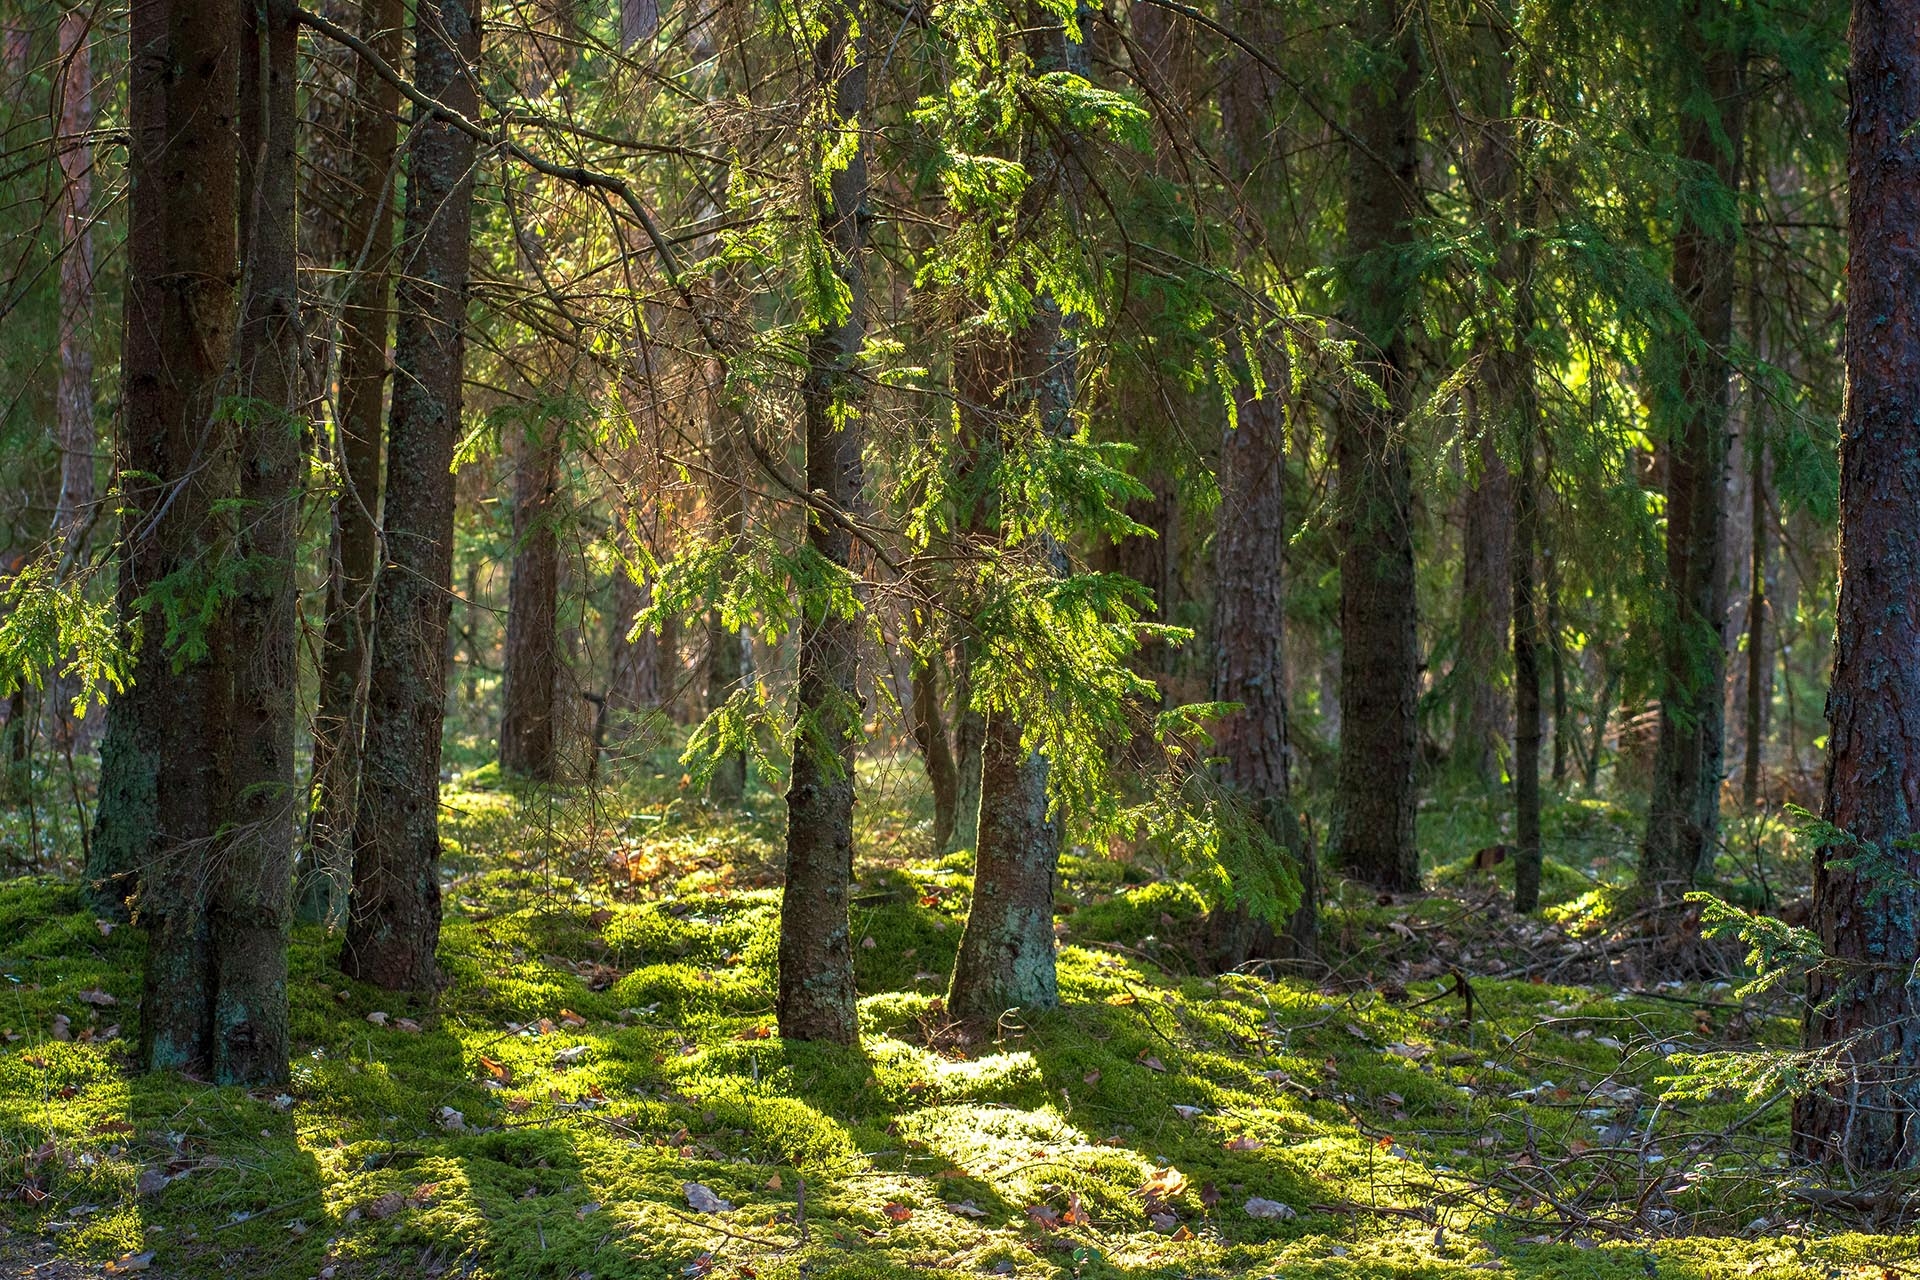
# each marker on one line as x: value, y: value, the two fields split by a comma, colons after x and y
x: 1428, y: 1104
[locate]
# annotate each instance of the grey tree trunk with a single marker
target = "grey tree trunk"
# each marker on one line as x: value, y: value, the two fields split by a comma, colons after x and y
x: 816, y: 996
x: 393, y: 920
x: 529, y: 740
x: 365, y: 317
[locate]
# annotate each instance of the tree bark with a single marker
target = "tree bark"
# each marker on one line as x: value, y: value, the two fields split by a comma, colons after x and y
x: 252, y: 908
x: 163, y: 776
x: 930, y: 733
x: 1486, y: 593
x: 1759, y: 669
x: 393, y: 921
x: 1372, y: 834
x: 1249, y: 561
x: 528, y: 741
x: 816, y: 997
x: 1006, y: 958
x: 353, y: 558
x: 1863, y: 1007
x: 74, y: 425
x: 1683, y: 812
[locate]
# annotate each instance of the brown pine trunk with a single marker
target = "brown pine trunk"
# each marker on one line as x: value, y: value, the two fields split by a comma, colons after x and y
x: 1249, y: 559
x: 1372, y: 834
x: 74, y: 428
x: 528, y: 737
x: 1486, y: 594
x: 1555, y: 641
x: 1683, y: 812
x: 816, y: 998
x: 1864, y: 1005
x: 163, y: 786
x: 252, y: 908
x: 393, y: 922
x: 366, y: 310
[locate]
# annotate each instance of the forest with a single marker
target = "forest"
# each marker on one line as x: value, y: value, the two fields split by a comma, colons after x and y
x: 864, y: 639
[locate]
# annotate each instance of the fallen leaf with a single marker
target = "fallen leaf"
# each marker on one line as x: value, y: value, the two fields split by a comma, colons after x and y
x: 1259, y: 1208
x: 1044, y: 1215
x: 1188, y: 1113
x: 896, y: 1212
x: 385, y: 1206
x: 128, y: 1263
x: 774, y: 1183
x: 1150, y: 1062
x: 702, y: 1198
x: 378, y: 1017
x: 98, y: 998
x: 1075, y: 1215
x: 452, y: 1121
x: 407, y: 1025
x: 151, y: 1182
x: 1163, y: 1222
x: 62, y: 1027
x: 496, y: 1070
x: 571, y: 1019
x: 571, y: 1054
x: 1092, y: 1077
x: 967, y: 1209
x: 1245, y: 1144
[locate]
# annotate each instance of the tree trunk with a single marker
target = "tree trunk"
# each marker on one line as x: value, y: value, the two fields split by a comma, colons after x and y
x: 353, y: 555
x: 1683, y: 812
x: 1486, y: 593
x: 930, y: 733
x: 1555, y: 641
x: 1372, y: 833
x: 393, y: 923
x: 1863, y: 1006
x: 163, y: 783
x: 1759, y: 685
x: 252, y: 908
x: 74, y: 429
x: 726, y: 665
x: 1526, y: 670
x: 1249, y: 561
x: 816, y: 999
x: 969, y: 738
x: 528, y: 738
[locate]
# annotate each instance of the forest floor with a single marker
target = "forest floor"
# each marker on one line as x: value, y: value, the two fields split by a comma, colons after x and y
x: 599, y: 1093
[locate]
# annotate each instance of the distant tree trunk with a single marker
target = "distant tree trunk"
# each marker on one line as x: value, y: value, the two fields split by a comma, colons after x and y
x: 74, y: 429
x: 1555, y: 640
x: 1486, y: 592
x: 393, y: 923
x: 634, y: 683
x: 816, y: 997
x: 726, y: 663
x: 1006, y: 958
x: 969, y: 737
x: 1683, y: 812
x: 164, y: 783
x: 1526, y: 672
x: 1863, y: 1006
x: 365, y: 313
x: 1759, y: 686
x: 528, y: 739
x: 930, y: 733
x: 252, y: 890
x: 1372, y: 833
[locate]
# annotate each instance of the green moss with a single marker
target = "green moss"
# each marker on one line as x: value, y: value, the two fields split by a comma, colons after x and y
x: 607, y: 1040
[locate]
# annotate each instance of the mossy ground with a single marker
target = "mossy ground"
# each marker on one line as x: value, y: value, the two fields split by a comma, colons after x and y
x: 607, y: 1039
